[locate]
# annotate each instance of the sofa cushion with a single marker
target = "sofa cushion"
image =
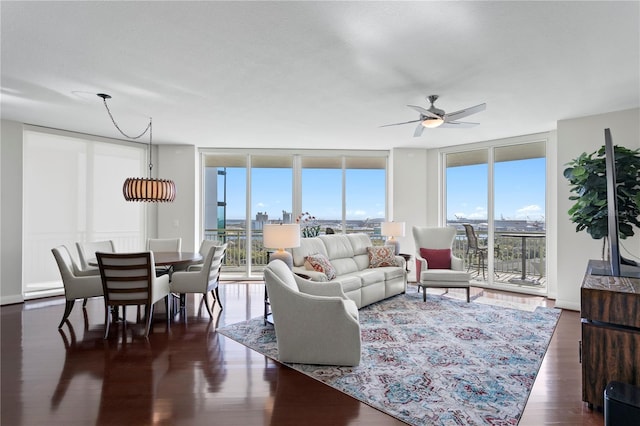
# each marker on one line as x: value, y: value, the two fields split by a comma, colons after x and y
x: 349, y: 282
x: 371, y: 276
x: 359, y: 242
x: 307, y: 246
x: 319, y: 262
x: 338, y: 246
x: 381, y: 256
x: 437, y: 258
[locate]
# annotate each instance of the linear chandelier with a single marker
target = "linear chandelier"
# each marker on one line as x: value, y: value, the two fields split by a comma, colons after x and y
x: 143, y: 189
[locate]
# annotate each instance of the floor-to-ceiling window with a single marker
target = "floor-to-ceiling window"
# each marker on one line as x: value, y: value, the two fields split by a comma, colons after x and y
x: 499, y: 192
x: 73, y: 192
x: 342, y: 191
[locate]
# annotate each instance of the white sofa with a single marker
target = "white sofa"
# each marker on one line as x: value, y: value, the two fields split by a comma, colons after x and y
x: 349, y: 256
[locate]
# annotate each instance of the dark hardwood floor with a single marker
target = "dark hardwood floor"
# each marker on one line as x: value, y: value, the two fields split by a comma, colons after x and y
x: 191, y: 375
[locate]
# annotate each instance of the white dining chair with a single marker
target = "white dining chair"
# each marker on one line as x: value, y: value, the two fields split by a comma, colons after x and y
x: 164, y: 244
x: 77, y: 283
x: 202, y: 281
x: 130, y: 279
x: 87, y: 251
x: 204, y: 249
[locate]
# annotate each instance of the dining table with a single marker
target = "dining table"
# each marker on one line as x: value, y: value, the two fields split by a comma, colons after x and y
x: 177, y: 259
x: 524, y: 236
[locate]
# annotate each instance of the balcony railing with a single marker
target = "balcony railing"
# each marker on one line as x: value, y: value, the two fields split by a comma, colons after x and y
x: 507, y: 254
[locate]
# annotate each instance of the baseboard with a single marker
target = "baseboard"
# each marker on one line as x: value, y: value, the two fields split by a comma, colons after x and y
x: 11, y: 300
x: 567, y: 304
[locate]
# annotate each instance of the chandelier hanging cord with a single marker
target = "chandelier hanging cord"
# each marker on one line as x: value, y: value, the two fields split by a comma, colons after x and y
x: 149, y: 128
x: 143, y: 189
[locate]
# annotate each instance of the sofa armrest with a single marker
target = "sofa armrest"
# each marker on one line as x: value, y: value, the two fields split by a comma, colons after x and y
x: 313, y: 275
x: 401, y: 262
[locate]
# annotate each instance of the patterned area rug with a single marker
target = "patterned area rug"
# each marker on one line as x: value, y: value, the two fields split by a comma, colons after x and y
x: 443, y: 362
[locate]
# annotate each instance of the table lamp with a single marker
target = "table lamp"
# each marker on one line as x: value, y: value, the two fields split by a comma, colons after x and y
x: 392, y: 230
x: 280, y: 237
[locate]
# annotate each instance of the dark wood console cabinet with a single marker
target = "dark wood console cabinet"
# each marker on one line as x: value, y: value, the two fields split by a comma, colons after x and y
x: 610, y: 347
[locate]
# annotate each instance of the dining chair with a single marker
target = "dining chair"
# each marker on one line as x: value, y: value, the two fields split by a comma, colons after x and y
x: 87, y: 251
x: 77, y: 284
x: 476, y: 254
x: 201, y: 281
x: 164, y: 244
x: 204, y: 250
x: 130, y: 279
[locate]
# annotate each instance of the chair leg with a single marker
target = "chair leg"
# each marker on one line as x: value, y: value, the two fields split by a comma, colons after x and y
x: 67, y: 310
x: 167, y: 306
x: 107, y: 320
x: 424, y: 294
x: 218, y: 298
x: 468, y: 298
x: 84, y: 304
x: 205, y: 296
x: 149, y: 311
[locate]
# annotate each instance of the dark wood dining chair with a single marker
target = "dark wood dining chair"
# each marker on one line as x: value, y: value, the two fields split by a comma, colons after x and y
x: 130, y: 279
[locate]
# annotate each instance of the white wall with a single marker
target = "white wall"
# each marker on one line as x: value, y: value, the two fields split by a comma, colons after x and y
x: 575, y: 136
x: 408, y: 194
x: 11, y: 212
x: 180, y: 218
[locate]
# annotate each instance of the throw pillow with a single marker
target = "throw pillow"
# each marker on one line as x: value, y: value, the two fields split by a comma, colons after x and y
x: 319, y: 262
x: 382, y: 256
x: 437, y: 258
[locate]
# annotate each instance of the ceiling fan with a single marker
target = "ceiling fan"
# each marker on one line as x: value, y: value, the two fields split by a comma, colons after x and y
x: 435, y: 117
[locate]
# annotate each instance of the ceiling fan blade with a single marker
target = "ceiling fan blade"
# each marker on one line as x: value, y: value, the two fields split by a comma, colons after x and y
x: 464, y: 112
x: 423, y: 111
x: 458, y: 124
x: 418, y: 131
x: 398, y: 124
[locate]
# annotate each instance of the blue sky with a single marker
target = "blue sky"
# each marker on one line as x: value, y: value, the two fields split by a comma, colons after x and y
x: 519, y: 191
x: 321, y: 194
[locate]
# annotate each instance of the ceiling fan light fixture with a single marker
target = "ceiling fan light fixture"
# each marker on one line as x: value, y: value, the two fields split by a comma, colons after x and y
x: 432, y: 123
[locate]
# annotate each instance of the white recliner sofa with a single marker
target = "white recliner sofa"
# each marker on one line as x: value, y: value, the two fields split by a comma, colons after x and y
x: 349, y: 257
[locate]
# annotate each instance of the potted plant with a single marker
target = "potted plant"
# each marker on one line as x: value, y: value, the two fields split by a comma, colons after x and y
x: 308, y: 225
x: 587, y: 178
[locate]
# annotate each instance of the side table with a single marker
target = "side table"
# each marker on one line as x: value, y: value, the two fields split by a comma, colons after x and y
x: 407, y: 258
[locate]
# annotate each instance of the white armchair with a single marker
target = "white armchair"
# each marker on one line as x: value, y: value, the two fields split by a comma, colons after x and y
x: 315, y: 323
x: 436, y: 264
x: 77, y: 284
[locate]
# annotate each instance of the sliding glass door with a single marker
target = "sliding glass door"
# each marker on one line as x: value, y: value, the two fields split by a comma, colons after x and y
x: 496, y: 195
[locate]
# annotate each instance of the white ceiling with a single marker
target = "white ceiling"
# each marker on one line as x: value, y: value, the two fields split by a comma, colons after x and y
x: 316, y: 74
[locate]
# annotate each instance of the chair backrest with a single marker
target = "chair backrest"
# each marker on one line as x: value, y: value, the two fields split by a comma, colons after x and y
x: 205, y: 245
x: 87, y: 251
x: 126, y: 277
x: 164, y: 244
x: 216, y: 255
x: 472, y: 239
x: 433, y: 238
x: 65, y: 262
x: 278, y: 273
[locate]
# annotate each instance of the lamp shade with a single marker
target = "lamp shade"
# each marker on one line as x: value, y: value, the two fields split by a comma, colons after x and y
x: 280, y: 236
x: 392, y: 229
x: 148, y: 189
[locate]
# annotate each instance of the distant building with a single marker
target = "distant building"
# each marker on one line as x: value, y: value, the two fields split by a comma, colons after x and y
x: 261, y: 219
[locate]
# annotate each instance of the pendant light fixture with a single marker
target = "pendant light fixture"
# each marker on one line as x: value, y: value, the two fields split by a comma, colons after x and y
x: 143, y: 189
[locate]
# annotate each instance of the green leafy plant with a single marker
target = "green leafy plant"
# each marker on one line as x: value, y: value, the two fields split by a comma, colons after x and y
x: 587, y: 177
